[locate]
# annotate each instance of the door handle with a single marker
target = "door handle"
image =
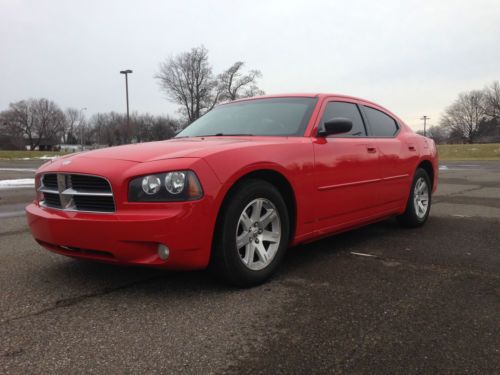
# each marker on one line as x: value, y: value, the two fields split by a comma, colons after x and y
x: 412, y: 148
x: 371, y: 149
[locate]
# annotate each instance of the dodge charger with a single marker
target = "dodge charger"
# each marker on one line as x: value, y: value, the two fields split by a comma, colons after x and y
x: 237, y: 187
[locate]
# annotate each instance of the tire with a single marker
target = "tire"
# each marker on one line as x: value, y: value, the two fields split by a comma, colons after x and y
x: 419, y: 201
x: 250, y: 244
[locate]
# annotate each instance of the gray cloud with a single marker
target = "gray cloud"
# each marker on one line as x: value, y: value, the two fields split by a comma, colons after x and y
x: 412, y: 57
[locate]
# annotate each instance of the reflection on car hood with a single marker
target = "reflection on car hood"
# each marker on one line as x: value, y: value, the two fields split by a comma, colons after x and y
x: 177, y: 148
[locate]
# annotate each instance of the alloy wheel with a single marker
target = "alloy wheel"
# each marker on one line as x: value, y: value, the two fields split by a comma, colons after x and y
x: 421, y: 198
x: 258, y: 234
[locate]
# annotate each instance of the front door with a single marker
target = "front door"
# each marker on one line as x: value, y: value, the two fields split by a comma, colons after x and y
x: 346, y: 171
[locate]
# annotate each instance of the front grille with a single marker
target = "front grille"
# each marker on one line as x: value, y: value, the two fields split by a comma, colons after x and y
x: 90, y: 203
x: 52, y: 200
x: 50, y: 180
x: 90, y: 183
x: 76, y: 192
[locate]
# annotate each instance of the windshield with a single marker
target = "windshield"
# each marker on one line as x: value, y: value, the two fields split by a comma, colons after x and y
x: 273, y: 117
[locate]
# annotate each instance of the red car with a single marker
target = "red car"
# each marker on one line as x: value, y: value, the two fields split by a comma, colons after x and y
x: 237, y: 187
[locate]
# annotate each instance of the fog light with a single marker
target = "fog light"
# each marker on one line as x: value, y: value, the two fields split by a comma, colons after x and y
x: 163, y: 251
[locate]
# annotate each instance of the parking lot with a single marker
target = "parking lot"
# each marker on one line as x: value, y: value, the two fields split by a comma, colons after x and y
x: 380, y: 299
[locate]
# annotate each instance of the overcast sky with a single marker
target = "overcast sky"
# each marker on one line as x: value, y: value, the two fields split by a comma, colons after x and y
x: 412, y: 57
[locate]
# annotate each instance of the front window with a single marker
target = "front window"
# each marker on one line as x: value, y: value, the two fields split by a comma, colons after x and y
x: 271, y: 117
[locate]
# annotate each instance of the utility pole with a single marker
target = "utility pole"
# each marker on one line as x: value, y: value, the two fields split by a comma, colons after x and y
x: 98, y: 130
x: 425, y: 118
x: 127, y: 72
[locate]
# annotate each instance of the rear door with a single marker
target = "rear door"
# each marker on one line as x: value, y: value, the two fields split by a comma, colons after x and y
x: 346, y: 168
x: 396, y: 156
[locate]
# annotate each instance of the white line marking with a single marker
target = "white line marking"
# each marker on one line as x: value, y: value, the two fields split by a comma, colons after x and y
x: 17, y: 183
x: 17, y: 170
x: 362, y: 254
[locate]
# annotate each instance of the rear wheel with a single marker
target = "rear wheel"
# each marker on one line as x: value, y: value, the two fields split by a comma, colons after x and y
x: 252, y: 234
x: 419, y: 202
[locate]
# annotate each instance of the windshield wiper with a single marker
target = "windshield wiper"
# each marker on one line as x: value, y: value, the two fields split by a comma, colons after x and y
x: 226, y: 134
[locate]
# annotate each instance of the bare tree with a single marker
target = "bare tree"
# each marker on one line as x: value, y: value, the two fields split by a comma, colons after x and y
x: 492, y: 100
x: 35, y: 119
x: 438, y: 133
x: 463, y: 117
x: 110, y: 128
x: 74, y: 119
x: 188, y: 80
x: 12, y: 137
x: 163, y: 128
x: 153, y: 128
x: 235, y: 85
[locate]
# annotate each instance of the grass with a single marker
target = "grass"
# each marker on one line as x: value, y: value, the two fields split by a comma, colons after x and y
x: 490, y: 151
x: 28, y: 154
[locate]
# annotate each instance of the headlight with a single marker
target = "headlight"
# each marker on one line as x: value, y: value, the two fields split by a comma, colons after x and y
x: 175, y: 181
x: 165, y: 187
x: 151, y: 185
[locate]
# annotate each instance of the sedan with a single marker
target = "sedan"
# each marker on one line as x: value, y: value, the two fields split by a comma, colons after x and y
x: 237, y: 187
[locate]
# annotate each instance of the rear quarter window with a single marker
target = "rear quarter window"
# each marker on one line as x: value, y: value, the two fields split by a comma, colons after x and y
x: 381, y: 124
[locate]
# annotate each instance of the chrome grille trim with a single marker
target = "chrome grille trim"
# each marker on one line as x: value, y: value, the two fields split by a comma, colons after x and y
x: 69, y: 195
x: 71, y: 191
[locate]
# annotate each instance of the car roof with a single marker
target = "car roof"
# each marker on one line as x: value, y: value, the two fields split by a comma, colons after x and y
x: 305, y: 95
x: 319, y: 96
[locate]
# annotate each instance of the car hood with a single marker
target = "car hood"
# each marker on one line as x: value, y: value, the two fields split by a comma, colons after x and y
x: 176, y: 148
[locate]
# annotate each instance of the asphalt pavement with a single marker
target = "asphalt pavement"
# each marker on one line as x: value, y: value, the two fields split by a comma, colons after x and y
x: 380, y: 299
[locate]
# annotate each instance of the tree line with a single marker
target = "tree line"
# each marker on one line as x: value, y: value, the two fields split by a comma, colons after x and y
x: 473, y: 117
x: 35, y: 122
x: 187, y: 79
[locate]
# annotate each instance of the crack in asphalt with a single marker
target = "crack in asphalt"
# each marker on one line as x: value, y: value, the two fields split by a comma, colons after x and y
x: 10, y: 215
x: 471, y: 201
x: 436, y: 199
x: 388, y: 261
x: 14, y: 232
x: 346, y: 360
x: 394, y: 262
x: 71, y: 301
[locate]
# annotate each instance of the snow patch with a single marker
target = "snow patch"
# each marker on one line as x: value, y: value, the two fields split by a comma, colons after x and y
x: 44, y: 157
x: 17, y: 170
x: 363, y: 254
x: 17, y: 183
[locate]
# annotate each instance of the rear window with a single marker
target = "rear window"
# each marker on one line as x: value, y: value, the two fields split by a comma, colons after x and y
x: 381, y: 124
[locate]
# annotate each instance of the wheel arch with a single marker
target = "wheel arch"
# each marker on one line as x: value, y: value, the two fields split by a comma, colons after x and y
x: 272, y: 176
x: 426, y: 165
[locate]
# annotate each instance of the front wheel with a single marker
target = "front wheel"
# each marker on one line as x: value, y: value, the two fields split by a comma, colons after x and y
x: 252, y: 234
x: 419, y: 202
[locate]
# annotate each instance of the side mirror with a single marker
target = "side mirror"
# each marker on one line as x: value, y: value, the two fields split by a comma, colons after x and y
x: 336, y: 125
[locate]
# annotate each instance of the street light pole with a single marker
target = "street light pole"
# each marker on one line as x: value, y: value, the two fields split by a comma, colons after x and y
x: 127, y: 72
x: 81, y: 126
x: 425, y: 118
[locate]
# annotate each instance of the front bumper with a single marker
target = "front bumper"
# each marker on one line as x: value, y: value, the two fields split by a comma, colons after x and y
x: 128, y: 237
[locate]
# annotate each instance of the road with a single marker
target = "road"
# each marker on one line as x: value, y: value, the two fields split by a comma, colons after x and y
x: 426, y: 300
